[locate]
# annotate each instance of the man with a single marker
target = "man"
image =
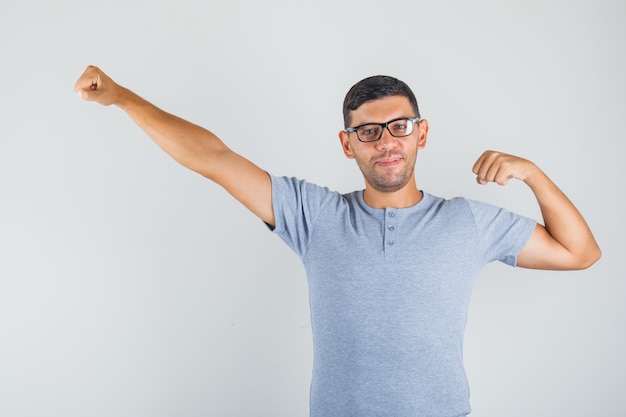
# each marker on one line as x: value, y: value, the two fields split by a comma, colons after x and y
x: 390, y: 268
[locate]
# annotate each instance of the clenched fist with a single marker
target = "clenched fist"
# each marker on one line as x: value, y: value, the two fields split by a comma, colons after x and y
x: 499, y: 167
x: 95, y: 85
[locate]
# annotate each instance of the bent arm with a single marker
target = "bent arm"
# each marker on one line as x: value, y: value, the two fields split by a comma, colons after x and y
x: 565, y: 242
x: 192, y: 146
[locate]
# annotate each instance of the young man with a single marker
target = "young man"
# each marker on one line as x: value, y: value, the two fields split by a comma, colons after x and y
x: 390, y: 268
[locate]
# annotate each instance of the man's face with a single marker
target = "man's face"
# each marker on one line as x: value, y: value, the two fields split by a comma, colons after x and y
x: 387, y: 164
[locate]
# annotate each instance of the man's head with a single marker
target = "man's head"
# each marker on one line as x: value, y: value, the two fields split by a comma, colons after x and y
x: 372, y: 88
x: 383, y: 134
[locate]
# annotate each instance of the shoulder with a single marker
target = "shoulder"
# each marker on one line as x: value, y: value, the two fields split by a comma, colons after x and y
x: 298, y: 197
x: 290, y: 187
x: 475, y: 207
x: 464, y: 210
x: 442, y: 205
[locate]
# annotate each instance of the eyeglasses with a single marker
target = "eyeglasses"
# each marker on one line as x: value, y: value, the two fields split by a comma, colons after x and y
x: 371, y: 132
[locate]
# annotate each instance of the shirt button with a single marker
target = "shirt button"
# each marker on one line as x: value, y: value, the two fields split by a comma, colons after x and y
x: 391, y: 228
x: 390, y: 242
x: 391, y: 214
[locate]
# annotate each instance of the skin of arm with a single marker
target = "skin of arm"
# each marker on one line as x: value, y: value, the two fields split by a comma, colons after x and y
x: 565, y: 242
x: 192, y: 146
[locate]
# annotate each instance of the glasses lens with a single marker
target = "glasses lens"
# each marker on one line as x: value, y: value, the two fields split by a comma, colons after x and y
x: 369, y: 133
x: 401, y: 127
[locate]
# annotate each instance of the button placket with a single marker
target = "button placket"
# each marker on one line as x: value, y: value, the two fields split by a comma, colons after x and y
x: 390, y: 230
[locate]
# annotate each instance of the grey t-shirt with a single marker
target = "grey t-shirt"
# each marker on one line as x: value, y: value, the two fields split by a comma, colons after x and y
x: 389, y: 293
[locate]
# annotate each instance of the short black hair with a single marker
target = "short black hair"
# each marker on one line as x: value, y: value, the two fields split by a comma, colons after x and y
x: 372, y: 88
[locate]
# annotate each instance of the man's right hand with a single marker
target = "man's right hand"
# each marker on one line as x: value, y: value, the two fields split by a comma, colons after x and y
x: 95, y: 85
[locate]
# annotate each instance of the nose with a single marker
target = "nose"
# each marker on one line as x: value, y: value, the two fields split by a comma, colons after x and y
x: 386, y: 141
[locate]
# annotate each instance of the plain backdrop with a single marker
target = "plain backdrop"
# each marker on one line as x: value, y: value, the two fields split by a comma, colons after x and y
x: 130, y: 286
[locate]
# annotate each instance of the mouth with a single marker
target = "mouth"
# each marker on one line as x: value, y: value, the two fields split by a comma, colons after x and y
x: 388, y: 161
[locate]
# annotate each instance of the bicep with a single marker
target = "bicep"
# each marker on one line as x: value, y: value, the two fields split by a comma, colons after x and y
x: 246, y: 182
x: 542, y: 251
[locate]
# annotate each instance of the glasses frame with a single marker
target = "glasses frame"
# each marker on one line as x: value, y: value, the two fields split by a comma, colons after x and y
x: 384, y: 126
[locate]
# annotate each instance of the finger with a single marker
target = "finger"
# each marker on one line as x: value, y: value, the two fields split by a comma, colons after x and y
x: 477, y: 167
x: 90, y: 80
x: 479, y: 162
x: 494, y: 168
x: 484, y: 167
x: 89, y: 94
x: 501, y: 177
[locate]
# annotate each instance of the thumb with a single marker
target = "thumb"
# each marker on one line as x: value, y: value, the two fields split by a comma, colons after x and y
x: 89, y: 93
x: 87, y: 85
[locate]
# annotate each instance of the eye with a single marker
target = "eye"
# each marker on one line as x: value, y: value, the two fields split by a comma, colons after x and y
x: 369, y: 131
x: 399, y: 126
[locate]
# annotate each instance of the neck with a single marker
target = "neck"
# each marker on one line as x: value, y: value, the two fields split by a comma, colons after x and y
x: 407, y: 196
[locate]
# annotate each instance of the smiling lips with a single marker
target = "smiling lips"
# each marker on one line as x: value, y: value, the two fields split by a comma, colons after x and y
x: 388, y: 161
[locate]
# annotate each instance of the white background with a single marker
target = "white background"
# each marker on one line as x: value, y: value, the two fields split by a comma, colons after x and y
x: 130, y: 286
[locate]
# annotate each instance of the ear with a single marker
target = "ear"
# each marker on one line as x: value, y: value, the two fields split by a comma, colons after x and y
x: 345, y: 144
x: 423, y: 134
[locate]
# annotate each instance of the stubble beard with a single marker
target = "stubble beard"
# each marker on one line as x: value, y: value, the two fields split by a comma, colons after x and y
x: 388, y: 180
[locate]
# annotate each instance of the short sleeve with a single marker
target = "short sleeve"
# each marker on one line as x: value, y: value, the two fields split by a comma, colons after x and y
x: 502, y: 234
x: 297, y: 205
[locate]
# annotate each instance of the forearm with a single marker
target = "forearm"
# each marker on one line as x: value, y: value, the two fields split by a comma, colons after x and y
x: 562, y: 220
x: 192, y: 146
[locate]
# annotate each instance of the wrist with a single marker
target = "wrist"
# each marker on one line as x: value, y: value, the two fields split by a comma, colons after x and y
x: 535, y: 176
x: 124, y: 98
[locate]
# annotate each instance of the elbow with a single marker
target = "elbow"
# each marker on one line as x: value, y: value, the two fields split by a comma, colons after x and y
x: 589, y: 258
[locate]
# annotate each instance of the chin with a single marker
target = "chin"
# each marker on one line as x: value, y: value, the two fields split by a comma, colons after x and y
x: 388, y: 187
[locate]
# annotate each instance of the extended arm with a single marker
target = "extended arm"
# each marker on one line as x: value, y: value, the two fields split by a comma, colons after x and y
x: 192, y: 146
x: 565, y: 242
